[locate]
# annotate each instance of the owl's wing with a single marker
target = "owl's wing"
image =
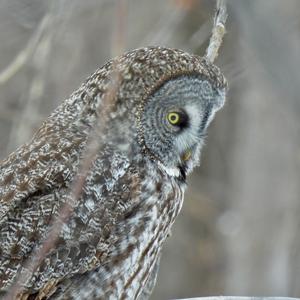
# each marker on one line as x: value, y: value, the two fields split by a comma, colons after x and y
x: 83, y: 243
x: 33, y: 184
x: 28, y: 225
x: 148, y: 289
x: 23, y: 229
x: 47, y: 162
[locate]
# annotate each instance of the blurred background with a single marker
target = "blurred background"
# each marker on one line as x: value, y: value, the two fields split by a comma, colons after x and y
x: 238, y: 232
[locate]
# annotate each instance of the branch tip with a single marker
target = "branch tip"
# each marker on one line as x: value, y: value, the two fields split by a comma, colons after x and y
x: 218, y: 31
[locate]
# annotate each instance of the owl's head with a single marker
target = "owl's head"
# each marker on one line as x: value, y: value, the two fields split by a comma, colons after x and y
x: 174, y: 120
x: 164, y: 102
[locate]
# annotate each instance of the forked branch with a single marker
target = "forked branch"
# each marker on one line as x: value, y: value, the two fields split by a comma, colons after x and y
x: 218, y: 31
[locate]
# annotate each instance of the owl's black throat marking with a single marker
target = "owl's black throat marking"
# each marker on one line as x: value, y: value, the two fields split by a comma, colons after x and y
x: 182, y: 172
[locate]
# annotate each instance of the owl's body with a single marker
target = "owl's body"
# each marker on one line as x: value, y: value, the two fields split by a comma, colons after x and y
x: 109, y: 246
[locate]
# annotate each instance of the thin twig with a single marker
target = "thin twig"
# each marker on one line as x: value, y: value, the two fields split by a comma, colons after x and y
x: 218, y: 31
x: 31, y: 100
x: 25, y: 54
x: 120, y: 26
x: 93, y: 146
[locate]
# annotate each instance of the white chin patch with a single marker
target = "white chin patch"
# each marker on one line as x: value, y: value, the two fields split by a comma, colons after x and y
x: 173, y: 172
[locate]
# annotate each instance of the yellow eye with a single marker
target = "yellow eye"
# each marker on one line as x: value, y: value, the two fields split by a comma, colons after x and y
x: 173, y: 118
x: 187, y: 155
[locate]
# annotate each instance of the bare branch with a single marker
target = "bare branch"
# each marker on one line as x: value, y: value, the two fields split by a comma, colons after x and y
x: 25, y: 54
x: 120, y: 27
x: 93, y: 145
x: 92, y: 148
x: 218, y: 31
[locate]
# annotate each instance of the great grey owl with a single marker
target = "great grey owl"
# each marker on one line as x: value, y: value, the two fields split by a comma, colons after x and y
x: 156, y: 114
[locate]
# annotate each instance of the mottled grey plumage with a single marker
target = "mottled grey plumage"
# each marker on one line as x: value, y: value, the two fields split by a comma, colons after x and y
x: 110, y: 246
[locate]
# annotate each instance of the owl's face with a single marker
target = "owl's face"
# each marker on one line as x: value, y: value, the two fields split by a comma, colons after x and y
x: 175, y: 119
